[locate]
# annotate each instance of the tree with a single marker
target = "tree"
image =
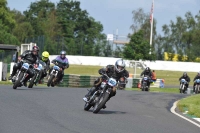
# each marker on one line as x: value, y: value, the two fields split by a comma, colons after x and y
x: 138, y: 48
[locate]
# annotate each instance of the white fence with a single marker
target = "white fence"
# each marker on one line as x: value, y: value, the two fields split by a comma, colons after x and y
x: 155, y: 65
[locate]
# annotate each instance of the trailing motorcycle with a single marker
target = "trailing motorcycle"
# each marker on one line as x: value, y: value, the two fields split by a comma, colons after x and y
x: 145, y: 83
x: 18, y: 79
x: 197, y: 86
x: 54, y: 76
x: 38, y: 72
x: 101, y: 96
x: 183, y: 86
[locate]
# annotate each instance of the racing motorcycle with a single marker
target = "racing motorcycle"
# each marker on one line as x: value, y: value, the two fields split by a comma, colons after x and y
x: 182, y: 86
x: 18, y: 79
x: 197, y: 86
x: 101, y: 96
x: 54, y: 76
x: 38, y: 72
x: 145, y: 86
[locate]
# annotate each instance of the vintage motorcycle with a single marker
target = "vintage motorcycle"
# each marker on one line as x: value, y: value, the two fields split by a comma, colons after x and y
x: 182, y: 86
x: 101, y: 96
x: 197, y: 86
x: 54, y: 76
x: 18, y: 79
x: 145, y: 86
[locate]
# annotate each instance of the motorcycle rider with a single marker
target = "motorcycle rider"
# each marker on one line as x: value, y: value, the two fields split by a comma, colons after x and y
x: 196, y: 77
x: 116, y: 71
x: 30, y: 57
x: 45, y: 59
x: 147, y: 72
x: 186, y: 77
x: 62, y: 62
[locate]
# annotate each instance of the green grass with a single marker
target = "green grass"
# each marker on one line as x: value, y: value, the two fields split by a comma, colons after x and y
x: 5, y: 83
x: 191, y: 104
x: 170, y: 77
x: 166, y: 90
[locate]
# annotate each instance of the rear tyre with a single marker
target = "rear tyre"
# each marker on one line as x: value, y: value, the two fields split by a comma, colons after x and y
x: 32, y: 82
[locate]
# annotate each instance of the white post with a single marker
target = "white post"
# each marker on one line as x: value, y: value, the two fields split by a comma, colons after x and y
x: 1, y: 68
x: 135, y: 69
x: 151, y: 26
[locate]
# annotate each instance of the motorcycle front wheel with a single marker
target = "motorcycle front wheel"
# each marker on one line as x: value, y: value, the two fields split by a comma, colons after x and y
x: 100, y: 103
x: 17, y: 83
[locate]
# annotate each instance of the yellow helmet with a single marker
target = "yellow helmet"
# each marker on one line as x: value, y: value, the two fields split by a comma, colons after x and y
x: 45, y: 56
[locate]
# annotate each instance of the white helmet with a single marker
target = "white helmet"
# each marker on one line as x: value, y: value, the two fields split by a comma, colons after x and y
x: 120, y: 65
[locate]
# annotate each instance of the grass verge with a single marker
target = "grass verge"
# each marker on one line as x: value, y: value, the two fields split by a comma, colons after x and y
x: 166, y: 90
x: 190, y: 104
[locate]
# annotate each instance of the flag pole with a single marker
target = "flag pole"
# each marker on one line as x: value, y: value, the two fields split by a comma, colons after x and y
x: 151, y: 21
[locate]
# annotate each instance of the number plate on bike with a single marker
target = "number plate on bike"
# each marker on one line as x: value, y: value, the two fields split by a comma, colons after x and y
x: 112, y: 82
x: 56, y: 68
x: 145, y: 78
x: 25, y: 65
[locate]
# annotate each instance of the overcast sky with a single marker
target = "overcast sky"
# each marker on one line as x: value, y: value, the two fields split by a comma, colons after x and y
x: 117, y: 14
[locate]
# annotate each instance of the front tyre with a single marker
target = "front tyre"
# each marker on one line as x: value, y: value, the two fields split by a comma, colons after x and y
x: 50, y: 80
x: 101, y: 102
x: 87, y: 106
x: 17, y: 83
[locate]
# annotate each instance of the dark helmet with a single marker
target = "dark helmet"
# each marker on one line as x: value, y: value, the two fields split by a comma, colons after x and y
x: 147, y: 69
x: 120, y: 65
x: 35, y: 49
x: 62, y: 54
x: 184, y: 74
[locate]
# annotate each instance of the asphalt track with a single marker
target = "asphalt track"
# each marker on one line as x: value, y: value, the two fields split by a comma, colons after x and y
x: 60, y: 110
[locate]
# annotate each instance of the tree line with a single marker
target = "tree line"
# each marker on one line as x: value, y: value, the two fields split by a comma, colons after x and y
x: 64, y: 25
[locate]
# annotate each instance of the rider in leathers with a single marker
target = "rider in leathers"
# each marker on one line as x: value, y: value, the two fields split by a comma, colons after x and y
x: 45, y: 59
x: 116, y: 71
x: 30, y: 57
x: 147, y: 72
x: 196, y: 77
x: 62, y: 62
x: 186, y: 77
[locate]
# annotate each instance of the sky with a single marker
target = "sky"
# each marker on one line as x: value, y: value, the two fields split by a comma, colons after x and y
x: 117, y: 14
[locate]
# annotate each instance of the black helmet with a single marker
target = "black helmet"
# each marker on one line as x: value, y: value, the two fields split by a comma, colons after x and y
x: 184, y: 74
x: 62, y: 54
x: 147, y: 69
x: 35, y: 49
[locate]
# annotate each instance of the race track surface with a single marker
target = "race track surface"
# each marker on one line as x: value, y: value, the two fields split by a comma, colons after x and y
x: 60, y: 110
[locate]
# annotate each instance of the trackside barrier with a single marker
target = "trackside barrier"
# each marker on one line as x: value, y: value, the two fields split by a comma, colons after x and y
x: 70, y: 80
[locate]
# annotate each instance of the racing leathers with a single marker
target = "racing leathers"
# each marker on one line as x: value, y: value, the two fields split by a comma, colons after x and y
x: 148, y: 74
x: 46, y: 68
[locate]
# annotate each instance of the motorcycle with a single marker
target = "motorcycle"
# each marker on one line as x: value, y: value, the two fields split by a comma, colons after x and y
x: 101, y: 96
x: 145, y: 86
x: 197, y: 86
x: 54, y: 76
x: 38, y: 72
x: 182, y: 86
x: 18, y: 79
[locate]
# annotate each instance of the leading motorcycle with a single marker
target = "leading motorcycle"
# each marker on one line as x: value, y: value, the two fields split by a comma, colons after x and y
x: 18, y: 79
x: 102, y: 95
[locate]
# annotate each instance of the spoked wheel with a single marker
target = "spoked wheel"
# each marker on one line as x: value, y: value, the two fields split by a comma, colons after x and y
x: 99, y: 104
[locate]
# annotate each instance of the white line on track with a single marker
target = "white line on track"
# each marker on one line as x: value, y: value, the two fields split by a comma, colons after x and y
x: 173, y: 111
